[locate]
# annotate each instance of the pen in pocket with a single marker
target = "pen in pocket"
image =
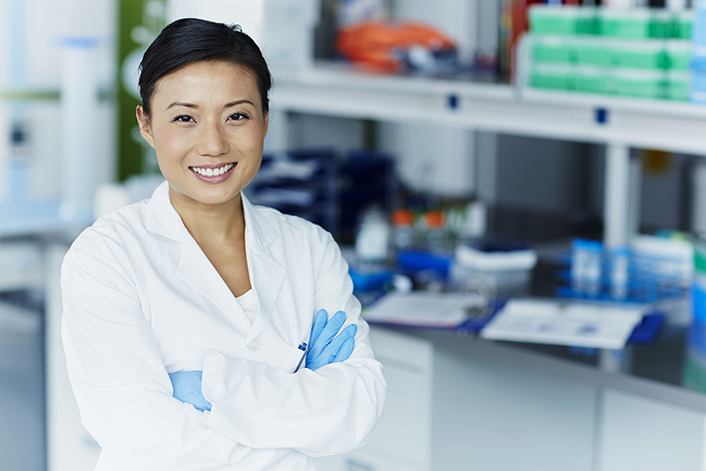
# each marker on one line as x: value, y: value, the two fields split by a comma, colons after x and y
x: 304, y: 348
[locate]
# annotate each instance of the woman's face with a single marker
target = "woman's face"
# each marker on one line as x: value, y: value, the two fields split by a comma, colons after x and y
x: 207, y: 128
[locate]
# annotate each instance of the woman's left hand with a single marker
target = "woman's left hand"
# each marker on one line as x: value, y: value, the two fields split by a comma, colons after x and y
x: 325, y: 347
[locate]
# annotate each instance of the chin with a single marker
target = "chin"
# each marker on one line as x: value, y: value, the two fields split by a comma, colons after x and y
x: 217, y: 197
x: 207, y: 196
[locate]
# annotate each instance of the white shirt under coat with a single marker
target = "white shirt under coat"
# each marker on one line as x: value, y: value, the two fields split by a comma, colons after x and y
x: 141, y: 300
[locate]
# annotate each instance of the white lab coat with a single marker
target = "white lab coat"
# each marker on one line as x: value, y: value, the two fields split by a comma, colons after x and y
x: 141, y: 300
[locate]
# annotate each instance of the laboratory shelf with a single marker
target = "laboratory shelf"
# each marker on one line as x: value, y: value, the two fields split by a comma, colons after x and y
x: 633, y: 122
x: 333, y: 90
x: 38, y: 218
x: 618, y: 123
x: 105, y: 93
x: 29, y: 94
x: 346, y: 92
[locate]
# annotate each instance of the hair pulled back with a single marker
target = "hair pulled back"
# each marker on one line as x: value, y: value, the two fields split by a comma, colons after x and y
x: 192, y: 40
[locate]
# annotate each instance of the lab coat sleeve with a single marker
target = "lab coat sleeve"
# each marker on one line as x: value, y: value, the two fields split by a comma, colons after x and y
x: 121, y: 385
x: 324, y: 412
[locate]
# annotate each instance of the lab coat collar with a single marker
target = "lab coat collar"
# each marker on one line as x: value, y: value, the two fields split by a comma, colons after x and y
x: 260, y: 231
x: 266, y: 274
x: 161, y: 218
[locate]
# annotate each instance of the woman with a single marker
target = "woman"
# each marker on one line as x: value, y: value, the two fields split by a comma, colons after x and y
x: 186, y: 316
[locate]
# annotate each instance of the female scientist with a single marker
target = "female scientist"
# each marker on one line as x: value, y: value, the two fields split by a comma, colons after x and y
x: 186, y: 315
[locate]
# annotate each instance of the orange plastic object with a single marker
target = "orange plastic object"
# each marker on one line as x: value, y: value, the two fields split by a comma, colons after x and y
x: 402, y: 217
x: 435, y: 219
x: 373, y: 43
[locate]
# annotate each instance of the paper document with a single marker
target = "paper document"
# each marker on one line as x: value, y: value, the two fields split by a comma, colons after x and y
x: 562, y: 322
x: 424, y: 309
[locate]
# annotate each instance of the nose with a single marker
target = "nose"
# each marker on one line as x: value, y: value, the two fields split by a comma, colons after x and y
x: 212, y: 141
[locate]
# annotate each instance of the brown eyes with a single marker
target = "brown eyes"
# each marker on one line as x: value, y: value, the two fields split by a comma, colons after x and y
x: 188, y: 119
x: 238, y: 116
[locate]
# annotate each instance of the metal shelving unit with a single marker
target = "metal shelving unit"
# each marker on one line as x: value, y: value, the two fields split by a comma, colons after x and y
x: 640, y: 123
x: 617, y: 123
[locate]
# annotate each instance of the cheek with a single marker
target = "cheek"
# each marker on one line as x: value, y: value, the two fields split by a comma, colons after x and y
x: 170, y: 145
x: 255, y: 138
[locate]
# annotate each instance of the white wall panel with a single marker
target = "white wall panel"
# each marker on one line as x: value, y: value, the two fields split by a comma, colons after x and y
x: 430, y: 157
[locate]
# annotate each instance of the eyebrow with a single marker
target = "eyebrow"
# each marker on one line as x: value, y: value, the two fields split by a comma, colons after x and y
x: 191, y: 105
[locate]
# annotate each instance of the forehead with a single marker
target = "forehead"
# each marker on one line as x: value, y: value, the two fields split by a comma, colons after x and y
x: 207, y: 80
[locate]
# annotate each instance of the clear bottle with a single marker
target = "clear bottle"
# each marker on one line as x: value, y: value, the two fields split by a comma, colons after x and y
x: 619, y: 273
x: 586, y: 269
x: 436, y: 236
x: 373, y: 238
x: 402, y: 229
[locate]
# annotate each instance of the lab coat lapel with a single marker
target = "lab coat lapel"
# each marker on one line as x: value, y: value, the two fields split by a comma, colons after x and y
x: 193, y: 267
x: 266, y: 274
x: 198, y: 271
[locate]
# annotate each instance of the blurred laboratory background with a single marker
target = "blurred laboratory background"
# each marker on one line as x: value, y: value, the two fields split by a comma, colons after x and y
x: 519, y: 187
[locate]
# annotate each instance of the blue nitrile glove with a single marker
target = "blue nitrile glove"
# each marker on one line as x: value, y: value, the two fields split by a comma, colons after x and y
x: 323, y: 347
x: 187, y: 388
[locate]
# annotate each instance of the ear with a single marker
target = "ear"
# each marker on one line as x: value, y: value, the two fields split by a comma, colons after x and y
x: 267, y: 122
x: 143, y: 122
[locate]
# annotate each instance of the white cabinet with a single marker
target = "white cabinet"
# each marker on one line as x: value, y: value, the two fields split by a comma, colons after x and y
x: 647, y: 435
x: 402, y: 439
x: 465, y: 404
x: 493, y: 415
x: 447, y: 410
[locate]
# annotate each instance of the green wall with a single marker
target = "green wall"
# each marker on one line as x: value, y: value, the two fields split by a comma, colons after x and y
x: 139, y: 23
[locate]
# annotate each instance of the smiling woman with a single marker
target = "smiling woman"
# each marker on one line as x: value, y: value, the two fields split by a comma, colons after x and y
x: 208, y: 133
x: 187, y: 316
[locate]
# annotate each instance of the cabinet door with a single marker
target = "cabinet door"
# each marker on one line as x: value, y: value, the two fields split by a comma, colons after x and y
x: 401, y: 441
x: 646, y: 435
x: 490, y: 413
x: 360, y: 460
x: 403, y: 429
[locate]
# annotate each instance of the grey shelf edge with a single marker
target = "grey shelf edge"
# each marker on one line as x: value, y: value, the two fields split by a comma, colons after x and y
x: 640, y: 123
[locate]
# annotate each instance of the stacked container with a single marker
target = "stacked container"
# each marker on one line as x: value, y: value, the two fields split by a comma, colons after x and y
x: 698, y: 88
x: 652, y: 269
x: 637, y: 53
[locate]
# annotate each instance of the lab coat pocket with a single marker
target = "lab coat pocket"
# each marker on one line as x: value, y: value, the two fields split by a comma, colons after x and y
x: 294, y: 360
x: 269, y: 347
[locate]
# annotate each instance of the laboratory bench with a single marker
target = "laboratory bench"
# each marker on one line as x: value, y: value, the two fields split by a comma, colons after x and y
x: 458, y: 401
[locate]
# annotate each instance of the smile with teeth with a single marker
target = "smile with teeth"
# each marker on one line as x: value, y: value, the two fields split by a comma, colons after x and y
x: 212, y: 172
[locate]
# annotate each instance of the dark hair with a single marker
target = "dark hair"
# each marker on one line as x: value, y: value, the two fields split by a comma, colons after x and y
x: 192, y: 40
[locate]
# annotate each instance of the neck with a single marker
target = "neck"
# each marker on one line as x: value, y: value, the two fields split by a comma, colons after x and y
x: 210, y: 224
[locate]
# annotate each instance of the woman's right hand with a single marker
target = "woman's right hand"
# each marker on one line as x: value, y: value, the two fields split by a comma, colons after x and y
x: 324, y: 349
x: 187, y: 388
